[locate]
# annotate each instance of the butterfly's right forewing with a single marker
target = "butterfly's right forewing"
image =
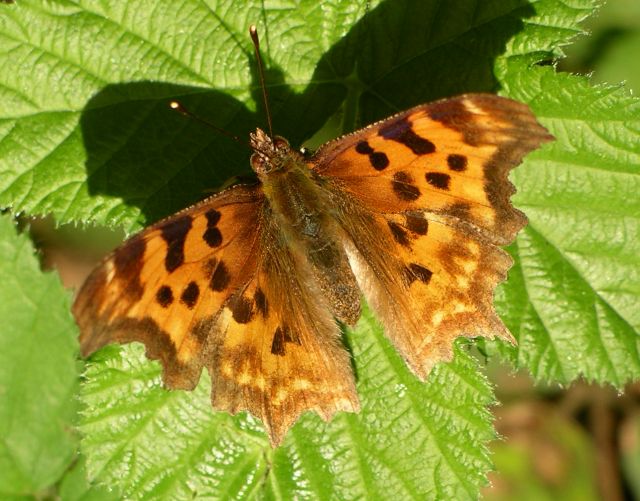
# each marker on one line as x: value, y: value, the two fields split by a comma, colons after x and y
x: 424, y: 197
x: 164, y: 286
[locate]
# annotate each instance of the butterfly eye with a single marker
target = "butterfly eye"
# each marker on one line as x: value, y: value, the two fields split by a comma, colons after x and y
x: 305, y: 152
x: 259, y: 163
x: 280, y: 143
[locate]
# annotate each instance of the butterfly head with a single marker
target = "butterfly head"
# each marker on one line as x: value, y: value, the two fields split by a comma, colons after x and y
x: 270, y: 153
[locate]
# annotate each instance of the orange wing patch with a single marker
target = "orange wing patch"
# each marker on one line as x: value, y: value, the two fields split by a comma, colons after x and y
x: 430, y: 279
x: 451, y: 157
x: 160, y: 286
x: 275, y: 348
x: 283, y: 355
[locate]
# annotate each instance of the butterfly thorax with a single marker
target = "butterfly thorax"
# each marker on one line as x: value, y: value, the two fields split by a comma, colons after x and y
x: 293, y: 194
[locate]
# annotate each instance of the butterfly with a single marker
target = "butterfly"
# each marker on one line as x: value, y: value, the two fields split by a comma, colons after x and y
x: 253, y: 283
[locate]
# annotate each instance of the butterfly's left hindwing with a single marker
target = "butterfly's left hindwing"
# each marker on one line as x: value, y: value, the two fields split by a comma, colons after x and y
x: 279, y: 351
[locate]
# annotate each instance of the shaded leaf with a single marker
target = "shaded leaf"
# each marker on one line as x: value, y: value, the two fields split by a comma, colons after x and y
x: 85, y: 131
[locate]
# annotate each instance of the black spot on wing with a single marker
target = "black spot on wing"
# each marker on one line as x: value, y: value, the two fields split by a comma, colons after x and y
x: 399, y: 234
x: 363, y: 148
x: 190, y: 295
x: 402, y: 132
x: 277, y: 345
x: 241, y: 309
x: 416, y: 223
x: 164, y: 296
x: 261, y: 302
x: 457, y: 163
x: 212, y: 235
x: 174, y: 233
x: 127, y: 262
x: 213, y: 216
x: 377, y: 159
x: 281, y: 336
x: 403, y: 186
x: 220, y: 277
x: 416, y: 271
x: 439, y: 180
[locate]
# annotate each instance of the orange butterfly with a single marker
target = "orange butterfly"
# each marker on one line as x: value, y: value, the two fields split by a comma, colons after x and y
x: 249, y: 283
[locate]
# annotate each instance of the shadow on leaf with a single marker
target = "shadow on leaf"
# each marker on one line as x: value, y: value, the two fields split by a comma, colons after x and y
x: 400, y: 54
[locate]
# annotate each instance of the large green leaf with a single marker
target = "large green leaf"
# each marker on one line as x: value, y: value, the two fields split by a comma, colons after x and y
x: 411, y: 438
x: 38, y: 377
x: 85, y: 133
x: 572, y: 301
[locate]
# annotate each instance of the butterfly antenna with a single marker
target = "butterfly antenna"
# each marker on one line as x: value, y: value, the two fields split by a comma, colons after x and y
x: 253, y: 31
x: 179, y: 107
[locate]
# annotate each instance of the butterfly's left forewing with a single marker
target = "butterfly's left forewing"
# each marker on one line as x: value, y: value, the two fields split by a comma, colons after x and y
x: 450, y: 157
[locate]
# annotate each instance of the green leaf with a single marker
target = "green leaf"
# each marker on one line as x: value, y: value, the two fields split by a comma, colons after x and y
x: 75, y: 487
x: 85, y: 131
x: 606, y: 53
x: 572, y: 299
x: 38, y: 376
x: 418, y: 440
x: 85, y: 134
